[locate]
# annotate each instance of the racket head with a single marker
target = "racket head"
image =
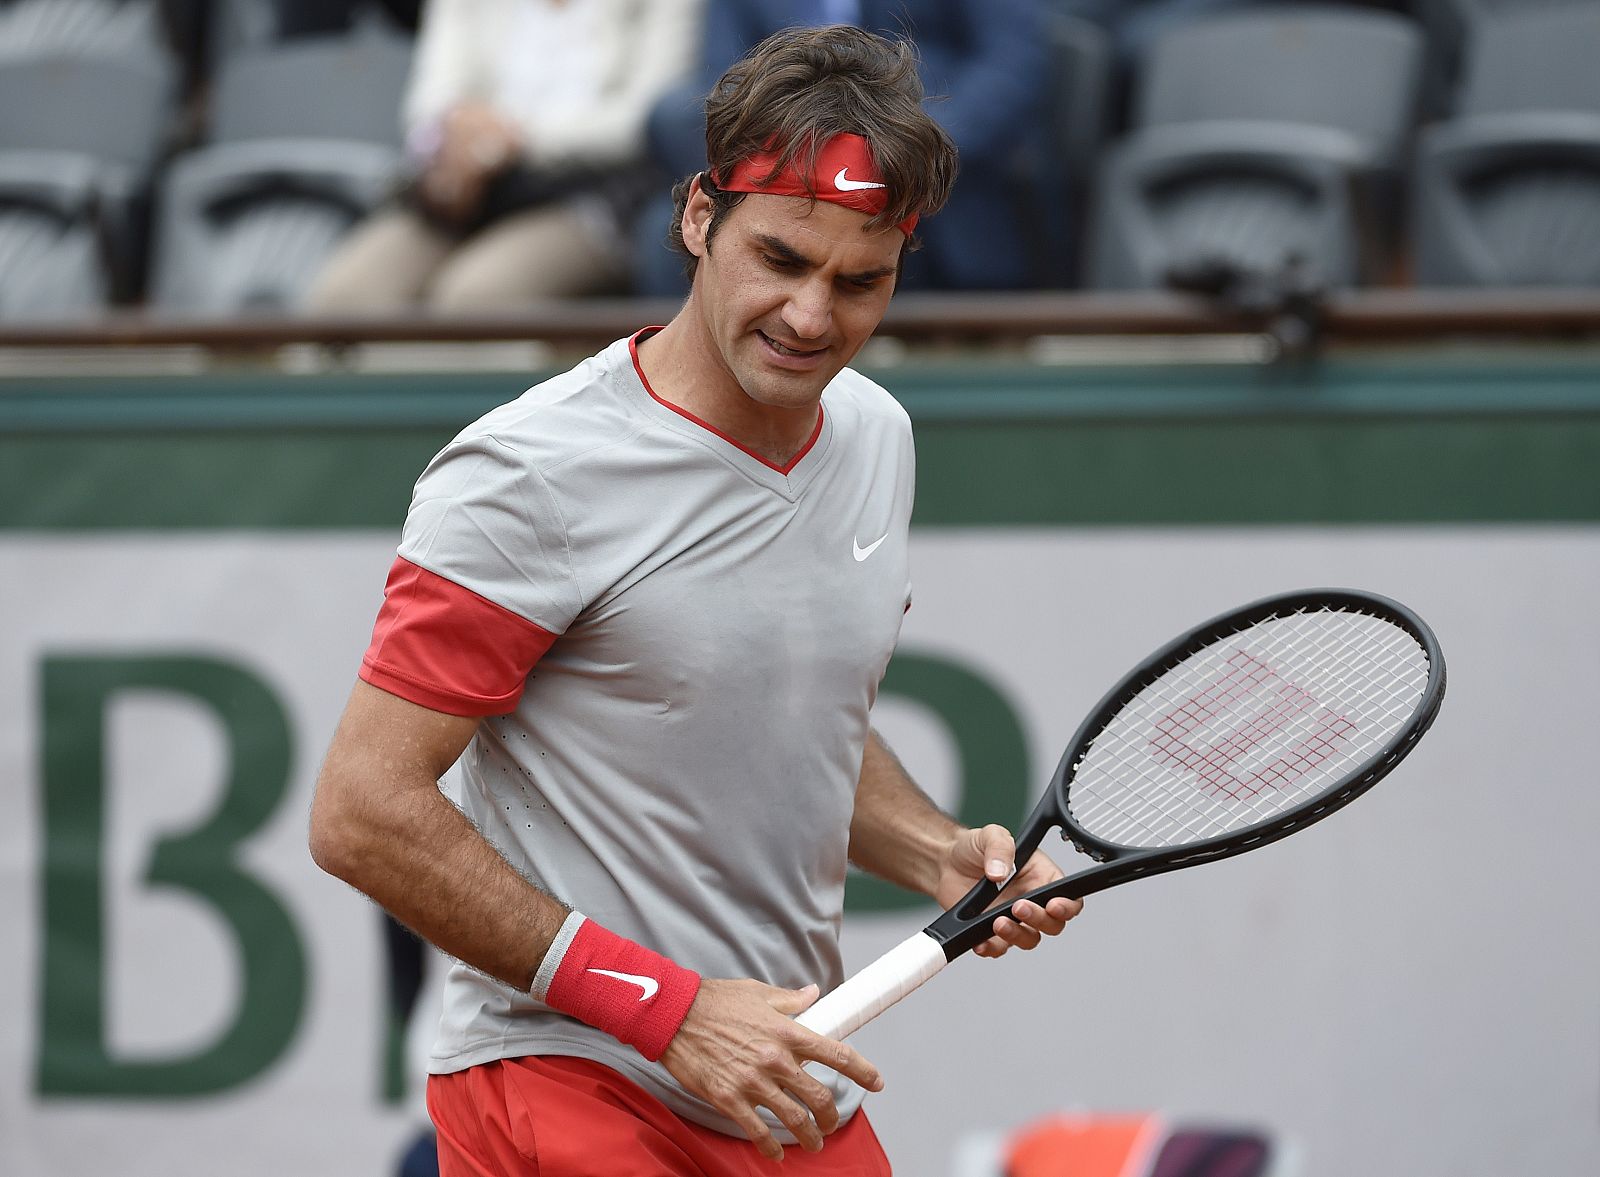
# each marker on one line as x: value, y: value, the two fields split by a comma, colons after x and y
x: 1250, y: 726
x: 1371, y: 635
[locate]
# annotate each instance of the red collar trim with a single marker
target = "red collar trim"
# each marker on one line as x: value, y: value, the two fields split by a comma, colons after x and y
x: 633, y: 351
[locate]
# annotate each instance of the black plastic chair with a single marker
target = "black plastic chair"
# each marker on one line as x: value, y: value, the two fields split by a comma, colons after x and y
x: 1253, y: 149
x: 79, y: 140
x: 305, y: 141
x: 1508, y: 192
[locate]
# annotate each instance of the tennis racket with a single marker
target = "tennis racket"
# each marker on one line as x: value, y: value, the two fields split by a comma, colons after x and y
x: 1240, y: 732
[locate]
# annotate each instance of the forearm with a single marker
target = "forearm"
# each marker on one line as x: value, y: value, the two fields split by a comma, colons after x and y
x: 897, y: 832
x: 380, y: 823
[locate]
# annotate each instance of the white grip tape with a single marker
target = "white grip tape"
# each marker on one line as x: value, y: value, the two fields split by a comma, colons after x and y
x: 875, y: 988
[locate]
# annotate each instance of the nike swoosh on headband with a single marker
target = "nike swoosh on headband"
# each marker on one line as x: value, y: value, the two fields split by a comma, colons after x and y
x: 844, y: 183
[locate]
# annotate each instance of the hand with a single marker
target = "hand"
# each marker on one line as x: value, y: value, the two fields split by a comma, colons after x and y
x: 989, y: 853
x: 740, y: 1048
x: 476, y: 144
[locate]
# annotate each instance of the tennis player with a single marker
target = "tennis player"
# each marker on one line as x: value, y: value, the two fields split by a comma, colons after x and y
x: 648, y: 605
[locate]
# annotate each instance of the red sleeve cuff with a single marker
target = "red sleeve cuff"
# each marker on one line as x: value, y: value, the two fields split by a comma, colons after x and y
x: 444, y: 647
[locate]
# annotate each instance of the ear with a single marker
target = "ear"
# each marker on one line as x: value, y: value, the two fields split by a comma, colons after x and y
x: 696, y: 216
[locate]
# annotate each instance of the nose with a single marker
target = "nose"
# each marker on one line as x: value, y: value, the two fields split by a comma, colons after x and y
x: 809, y: 310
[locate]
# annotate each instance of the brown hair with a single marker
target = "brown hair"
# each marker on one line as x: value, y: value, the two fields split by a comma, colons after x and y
x: 801, y: 87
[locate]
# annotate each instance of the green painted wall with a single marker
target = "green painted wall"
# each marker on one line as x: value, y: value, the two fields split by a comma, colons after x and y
x: 1427, y: 438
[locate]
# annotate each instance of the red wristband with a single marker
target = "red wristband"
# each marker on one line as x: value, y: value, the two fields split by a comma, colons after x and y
x: 635, y: 995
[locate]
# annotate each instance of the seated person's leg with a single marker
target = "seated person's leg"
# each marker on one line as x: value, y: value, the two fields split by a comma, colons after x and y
x: 552, y: 251
x: 382, y: 265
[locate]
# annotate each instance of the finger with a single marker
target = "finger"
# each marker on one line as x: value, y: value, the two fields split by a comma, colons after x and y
x: 1048, y: 921
x: 754, y: 1127
x: 794, y: 1117
x: 793, y: 1001
x: 816, y: 1097
x: 1016, y: 934
x: 1063, y: 908
x: 841, y: 1056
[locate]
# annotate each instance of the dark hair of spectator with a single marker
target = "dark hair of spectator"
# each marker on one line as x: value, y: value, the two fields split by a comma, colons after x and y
x: 801, y: 87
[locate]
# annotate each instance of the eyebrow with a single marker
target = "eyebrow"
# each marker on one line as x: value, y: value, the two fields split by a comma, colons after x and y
x: 789, y: 253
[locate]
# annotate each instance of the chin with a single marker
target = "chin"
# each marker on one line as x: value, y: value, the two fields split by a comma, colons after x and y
x: 780, y: 392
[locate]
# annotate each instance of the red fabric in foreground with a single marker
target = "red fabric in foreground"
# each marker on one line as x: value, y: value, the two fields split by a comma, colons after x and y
x: 446, y: 648
x: 568, y: 1117
x: 635, y: 995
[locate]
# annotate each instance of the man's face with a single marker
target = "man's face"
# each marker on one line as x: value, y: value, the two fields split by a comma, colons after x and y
x: 789, y: 291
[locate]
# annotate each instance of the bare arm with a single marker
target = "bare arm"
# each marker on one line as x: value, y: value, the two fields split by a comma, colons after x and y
x: 899, y: 834
x: 380, y: 823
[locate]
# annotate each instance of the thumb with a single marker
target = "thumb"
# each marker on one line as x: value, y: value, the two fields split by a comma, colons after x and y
x: 794, y: 1001
x: 991, y: 850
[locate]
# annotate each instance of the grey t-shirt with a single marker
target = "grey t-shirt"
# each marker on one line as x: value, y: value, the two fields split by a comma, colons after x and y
x: 682, y: 763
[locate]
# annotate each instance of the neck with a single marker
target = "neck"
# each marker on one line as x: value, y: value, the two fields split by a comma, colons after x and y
x: 684, y: 368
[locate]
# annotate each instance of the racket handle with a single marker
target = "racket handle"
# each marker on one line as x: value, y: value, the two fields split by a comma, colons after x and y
x: 875, y: 988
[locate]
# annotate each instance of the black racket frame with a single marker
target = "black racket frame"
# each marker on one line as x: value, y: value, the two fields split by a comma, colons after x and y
x: 971, y: 921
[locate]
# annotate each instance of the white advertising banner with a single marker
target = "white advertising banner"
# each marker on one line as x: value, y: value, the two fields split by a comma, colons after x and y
x: 1411, y: 988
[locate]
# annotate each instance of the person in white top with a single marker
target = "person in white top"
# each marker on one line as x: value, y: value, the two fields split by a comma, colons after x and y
x: 525, y: 137
x: 651, y: 601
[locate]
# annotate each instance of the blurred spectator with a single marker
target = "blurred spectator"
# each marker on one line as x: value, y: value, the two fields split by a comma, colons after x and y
x: 525, y: 123
x: 985, y: 62
x: 316, y: 18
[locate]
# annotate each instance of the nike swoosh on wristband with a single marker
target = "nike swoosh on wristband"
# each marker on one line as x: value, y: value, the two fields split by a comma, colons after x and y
x: 861, y: 553
x: 845, y: 184
x: 649, y: 984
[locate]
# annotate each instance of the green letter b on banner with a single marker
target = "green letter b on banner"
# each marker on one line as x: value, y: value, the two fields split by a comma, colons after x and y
x: 74, y: 1056
x: 989, y: 741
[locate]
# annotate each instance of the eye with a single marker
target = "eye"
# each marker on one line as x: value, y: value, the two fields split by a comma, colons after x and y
x: 784, y: 265
x: 861, y: 285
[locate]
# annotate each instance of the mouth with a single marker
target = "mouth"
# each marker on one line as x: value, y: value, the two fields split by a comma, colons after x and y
x: 788, y: 352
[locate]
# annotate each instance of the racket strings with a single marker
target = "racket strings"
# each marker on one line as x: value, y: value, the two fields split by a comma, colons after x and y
x: 1251, y: 725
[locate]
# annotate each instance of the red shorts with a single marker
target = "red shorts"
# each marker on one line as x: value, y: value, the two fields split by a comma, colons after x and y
x: 569, y: 1117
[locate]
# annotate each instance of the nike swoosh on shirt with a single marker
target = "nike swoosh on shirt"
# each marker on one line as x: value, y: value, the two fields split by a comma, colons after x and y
x: 648, y: 984
x: 861, y: 553
x: 845, y: 184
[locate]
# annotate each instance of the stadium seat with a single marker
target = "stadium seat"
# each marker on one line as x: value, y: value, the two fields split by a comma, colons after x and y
x: 304, y: 142
x: 1252, y: 150
x: 1508, y: 192
x: 1078, y: 115
x: 79, y: 137
x: 109, y: 29
x: 50, y: 255
x: 1451, y: 26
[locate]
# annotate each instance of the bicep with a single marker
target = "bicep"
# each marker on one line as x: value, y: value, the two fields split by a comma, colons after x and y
x: 383, y: 745
x: 384, y: 728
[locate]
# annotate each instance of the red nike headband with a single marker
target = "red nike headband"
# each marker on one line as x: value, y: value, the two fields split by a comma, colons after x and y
x: 844, y: 174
